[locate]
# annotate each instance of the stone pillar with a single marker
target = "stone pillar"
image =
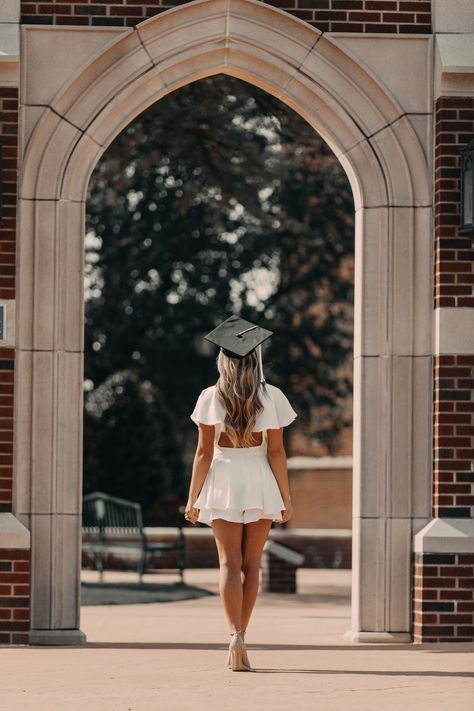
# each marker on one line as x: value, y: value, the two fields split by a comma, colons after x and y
x: 49, y: 421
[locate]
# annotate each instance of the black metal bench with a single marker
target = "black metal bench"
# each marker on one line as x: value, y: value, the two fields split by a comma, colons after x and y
x: 114, y: 525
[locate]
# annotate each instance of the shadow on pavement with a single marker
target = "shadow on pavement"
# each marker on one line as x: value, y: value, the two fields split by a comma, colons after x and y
x: 115, y: 593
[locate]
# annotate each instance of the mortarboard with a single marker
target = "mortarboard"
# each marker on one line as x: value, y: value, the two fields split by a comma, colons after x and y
x: 238, y: 337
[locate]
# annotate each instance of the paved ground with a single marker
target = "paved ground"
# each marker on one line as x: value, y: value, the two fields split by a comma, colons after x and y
x: 170, y: 656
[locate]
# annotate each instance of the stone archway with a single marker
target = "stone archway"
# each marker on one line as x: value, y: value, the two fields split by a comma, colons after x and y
x: 375, y: 142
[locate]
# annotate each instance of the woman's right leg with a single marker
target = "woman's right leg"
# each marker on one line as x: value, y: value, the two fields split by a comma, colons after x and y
x: 254, y: 537
x: 228, y: 536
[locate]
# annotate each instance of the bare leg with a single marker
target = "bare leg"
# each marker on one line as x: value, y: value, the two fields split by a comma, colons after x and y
x: 255, y: 535
x: 228, y: 536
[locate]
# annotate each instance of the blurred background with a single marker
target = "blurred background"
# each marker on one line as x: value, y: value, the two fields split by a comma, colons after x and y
x: 218, y: 199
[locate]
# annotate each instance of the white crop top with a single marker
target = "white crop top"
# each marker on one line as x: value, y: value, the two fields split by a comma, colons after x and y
x: 277, y: 411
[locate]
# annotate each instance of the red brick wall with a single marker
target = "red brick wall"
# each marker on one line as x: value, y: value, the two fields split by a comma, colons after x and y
x: 14, y: 596
x: 399, y: 16
x: 453, y: 286
x: 9, y: 139
x: 277, y: 575
x: 7, y: 360
x: 444, y: 583
x: 14, y: 563
x: 443, y: 609
x: 453, y: 433
x: 454, y: 263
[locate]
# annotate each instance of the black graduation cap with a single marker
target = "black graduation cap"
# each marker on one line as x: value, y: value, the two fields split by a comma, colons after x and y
x: 238, y: 337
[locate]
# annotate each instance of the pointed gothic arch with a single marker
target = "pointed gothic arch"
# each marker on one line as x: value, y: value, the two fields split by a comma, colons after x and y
x: 375, y: 142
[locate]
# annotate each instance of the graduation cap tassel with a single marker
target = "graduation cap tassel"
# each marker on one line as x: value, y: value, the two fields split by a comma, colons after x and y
x: 262, y: 378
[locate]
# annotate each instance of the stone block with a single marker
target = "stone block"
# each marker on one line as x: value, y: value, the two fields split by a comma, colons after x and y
x: 10, y: 11
x: 51, y: 272
x: 403, y: 64
x: 42, y: 75
x: 453, y: 330
x: 49, y: 455
x: 449, y: 16
x: 55, y: 573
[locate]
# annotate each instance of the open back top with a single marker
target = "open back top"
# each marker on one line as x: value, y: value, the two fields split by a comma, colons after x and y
x: 277, y: 411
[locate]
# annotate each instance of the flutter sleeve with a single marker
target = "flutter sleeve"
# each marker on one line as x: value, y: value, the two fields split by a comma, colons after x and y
x: 277, y: 411
x: 208, y: 409
x: 285, y: 413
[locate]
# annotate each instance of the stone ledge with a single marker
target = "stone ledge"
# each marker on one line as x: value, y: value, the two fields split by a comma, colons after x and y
x: 69, y: 637
x: 456, y: 53
x: 13, y: 534
x: 454, y: 64
x: 378, y: 637
x: 8, y: 340
x: 305, y: 462
x: 9, y: 38
x: 283, y: 553
x: 158, y: 532
x: 446, y: 535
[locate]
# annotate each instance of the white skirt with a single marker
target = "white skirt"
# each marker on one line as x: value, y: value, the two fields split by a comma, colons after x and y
x: 240, y: 486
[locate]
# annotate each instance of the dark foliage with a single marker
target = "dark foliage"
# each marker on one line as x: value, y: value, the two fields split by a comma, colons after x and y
x: 217, y: 199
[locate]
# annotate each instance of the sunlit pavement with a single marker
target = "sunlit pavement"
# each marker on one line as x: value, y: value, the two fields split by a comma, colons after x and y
x: 172, y: 656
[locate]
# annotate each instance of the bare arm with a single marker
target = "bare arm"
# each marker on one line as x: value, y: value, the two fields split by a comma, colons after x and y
x: 202, y: 460
x: 277, y: 459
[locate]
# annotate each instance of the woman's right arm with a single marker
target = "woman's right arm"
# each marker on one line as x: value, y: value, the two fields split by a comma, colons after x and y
x: 277, y: 459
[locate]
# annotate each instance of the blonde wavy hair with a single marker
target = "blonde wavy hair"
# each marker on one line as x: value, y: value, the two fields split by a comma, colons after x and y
x: 238, y: 391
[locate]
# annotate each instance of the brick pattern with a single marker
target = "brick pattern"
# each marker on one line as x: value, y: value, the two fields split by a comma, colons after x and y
x: 394, y: 16
x: 453, y: 435
x: 443, y: 602
x: 7, y: 360
x: 444, y: 583
x: 14, y: 596
x: 9, y: 139
x: 277, y: 575
x: 454, y: 253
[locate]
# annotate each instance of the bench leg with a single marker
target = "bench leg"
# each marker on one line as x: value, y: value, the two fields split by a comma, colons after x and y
x: 182, y: 555
x: 101, y: 558
x: 141, y: 566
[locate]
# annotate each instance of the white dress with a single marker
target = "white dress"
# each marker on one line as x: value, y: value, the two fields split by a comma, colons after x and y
x: 240, y: 485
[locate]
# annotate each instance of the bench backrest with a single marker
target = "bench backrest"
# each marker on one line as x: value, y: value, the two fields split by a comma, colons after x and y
x: 110, y: 516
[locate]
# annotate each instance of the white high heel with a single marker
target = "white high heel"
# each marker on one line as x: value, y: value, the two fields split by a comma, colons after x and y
x: 237, y: 659
x: 245, y: 657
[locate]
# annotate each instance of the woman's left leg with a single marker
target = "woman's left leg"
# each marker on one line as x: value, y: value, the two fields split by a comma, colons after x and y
x: 254, y: 536
x: 228, y: 537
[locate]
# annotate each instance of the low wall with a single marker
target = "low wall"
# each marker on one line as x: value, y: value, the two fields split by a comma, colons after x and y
x: 321, y: 492
x: 322, y: 548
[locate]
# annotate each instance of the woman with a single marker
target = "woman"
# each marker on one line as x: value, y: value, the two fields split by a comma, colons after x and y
x: 239, y: 482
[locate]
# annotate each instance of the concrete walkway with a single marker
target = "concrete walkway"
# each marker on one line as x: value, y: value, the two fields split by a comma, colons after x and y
x: 171, y: 656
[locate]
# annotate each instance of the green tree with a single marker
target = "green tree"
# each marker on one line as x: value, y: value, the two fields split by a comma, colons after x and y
x: 217, y: 199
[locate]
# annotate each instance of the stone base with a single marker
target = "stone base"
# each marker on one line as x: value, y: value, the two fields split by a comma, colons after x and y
x: 382, y: 637
x: 443, y: 581
x: 446, y: 535
x: 70, y: 638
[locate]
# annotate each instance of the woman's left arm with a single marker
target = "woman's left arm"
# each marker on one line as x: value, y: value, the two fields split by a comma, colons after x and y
x: 202, y: 460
